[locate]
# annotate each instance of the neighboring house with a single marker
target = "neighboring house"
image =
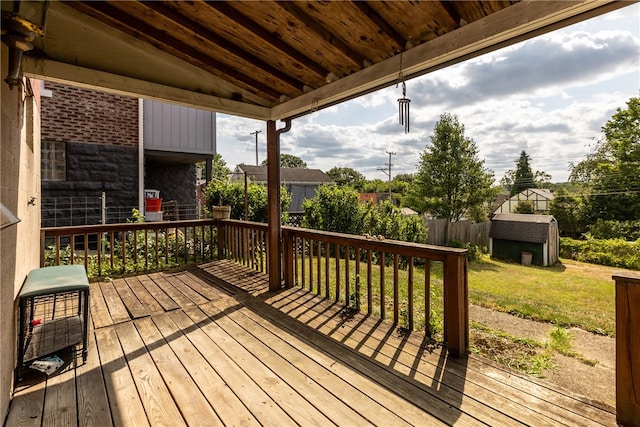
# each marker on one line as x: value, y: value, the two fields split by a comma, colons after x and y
x: 300, y: 182
x: 91, y: 144
x: 511, y: 235
x: 540, y: 198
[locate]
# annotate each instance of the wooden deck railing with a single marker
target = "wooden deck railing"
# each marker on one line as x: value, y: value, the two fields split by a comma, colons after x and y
x: 627, y: 348
x: 120, y: 248
x: 386, y: 278
x: 380, y: 277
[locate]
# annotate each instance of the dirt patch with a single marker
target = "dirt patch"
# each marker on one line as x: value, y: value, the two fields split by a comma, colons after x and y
x: 595, y: 382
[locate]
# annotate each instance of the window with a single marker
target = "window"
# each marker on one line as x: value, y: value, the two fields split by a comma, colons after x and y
x: 54, y: 165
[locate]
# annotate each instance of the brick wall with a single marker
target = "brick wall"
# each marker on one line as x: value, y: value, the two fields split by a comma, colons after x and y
x: 80, y: 115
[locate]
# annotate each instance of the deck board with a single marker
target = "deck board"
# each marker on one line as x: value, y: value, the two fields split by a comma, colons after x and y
x: 380, y: 342
x: 210, y: 346
x: 93, y: 402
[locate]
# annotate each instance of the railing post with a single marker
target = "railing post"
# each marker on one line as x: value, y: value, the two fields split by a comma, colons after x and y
x: 222, y: 229
x: 627, y: 348
x: 287, y: 257
x: 456, y: 304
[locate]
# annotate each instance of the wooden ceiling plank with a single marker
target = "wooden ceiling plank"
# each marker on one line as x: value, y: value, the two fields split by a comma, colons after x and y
x: 277, y: 44
x: 450, y: 7
x: 140, y: 29
x: 373, y: 16
x: 291, y: 8
x: 208, y: 35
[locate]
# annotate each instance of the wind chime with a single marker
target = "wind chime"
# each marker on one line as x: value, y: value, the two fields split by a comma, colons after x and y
x: 403, y: 108
x: 403, y: 103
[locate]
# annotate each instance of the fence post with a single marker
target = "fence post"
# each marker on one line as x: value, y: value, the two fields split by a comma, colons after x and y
x: 627, y: 348
x: 456, y: 304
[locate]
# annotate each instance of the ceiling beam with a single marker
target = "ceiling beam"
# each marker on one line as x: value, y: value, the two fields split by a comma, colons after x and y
x: 477, y: 38
x: 45, y: 69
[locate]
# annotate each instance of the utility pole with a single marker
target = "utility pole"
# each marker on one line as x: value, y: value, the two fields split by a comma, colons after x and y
x: 256, y: 134
x: 388, y: 172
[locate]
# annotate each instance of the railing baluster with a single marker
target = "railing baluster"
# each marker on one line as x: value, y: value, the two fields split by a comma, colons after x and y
x: 337, y: 258
x: 311, y: 245
x: 396, y: 295
x: 99, y: 248
x: 357, y: 284
x: 86, y: 251
x: 72, y: 244
x: 369, y: 284
x: 410, y: 294
x: 135, y: 250
x: 382, y: 295
x: 111, y: 248
x: 319, y: 278
x: 427, y: 297
x: 57, y: 250
x: 327, y: 252
x: 347, y: 282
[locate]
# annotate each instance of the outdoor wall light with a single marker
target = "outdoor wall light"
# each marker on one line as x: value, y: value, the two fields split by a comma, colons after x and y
x: 22, y: 21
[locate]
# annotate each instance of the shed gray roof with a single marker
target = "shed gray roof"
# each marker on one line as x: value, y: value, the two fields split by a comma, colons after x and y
x: 521, y: 228
x: 289, y: 175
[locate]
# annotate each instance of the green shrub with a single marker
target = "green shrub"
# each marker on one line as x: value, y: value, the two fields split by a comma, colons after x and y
x: 474, y: 252
x: 611, y: 252
x: 627, y: 230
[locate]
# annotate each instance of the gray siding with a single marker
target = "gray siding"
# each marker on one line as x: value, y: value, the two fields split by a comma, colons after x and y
x: 178, y: 129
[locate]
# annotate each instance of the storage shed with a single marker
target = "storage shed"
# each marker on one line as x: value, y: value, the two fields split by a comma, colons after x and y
x: 512, y: 235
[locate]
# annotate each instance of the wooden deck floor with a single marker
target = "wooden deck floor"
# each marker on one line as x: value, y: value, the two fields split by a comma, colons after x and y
x: 187, y: 348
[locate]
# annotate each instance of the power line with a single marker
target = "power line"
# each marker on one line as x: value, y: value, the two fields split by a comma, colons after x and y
x: 388, y: 173
x: 256, y: 134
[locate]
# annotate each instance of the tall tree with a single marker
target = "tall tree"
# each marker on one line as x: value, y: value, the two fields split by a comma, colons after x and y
x: 451, y: 179
x: 219, y: 169
x: 612, y: 170
x: 523, y: 176
x: 347, y: 176
x: 289, y: 161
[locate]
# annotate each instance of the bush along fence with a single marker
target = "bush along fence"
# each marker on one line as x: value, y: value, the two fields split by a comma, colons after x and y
x: 611, y: 252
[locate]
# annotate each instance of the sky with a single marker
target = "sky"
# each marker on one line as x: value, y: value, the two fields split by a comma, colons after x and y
x: 549, y: 96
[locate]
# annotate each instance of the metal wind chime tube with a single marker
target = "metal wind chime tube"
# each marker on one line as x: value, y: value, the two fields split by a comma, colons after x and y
x: 403, y: 108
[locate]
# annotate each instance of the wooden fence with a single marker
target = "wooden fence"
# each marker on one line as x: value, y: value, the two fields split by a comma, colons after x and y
x: 463, y: 231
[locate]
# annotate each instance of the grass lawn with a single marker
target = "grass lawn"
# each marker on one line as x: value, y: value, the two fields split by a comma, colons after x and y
x: 571, y: 293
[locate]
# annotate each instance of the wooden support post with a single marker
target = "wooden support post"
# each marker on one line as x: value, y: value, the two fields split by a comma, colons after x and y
x: 627, y: 348
x: 456, y: 304
x: 273, y: 215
